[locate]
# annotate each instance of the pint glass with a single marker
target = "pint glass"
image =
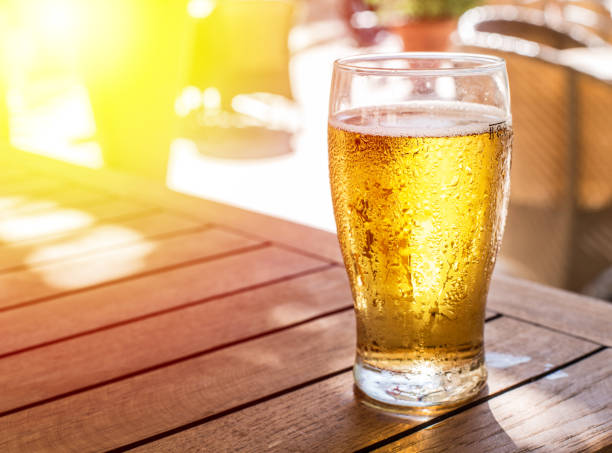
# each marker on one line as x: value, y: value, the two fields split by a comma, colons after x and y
x: 419, y: 161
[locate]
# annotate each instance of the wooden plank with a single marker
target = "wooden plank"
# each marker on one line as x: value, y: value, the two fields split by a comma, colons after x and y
x: 578, y: 315
x: 320, y: 243
x: 66, y: 366
x: 329, y: 418
x: 146, y: 404
x: 568, y: 411
x: 15, y: 229
x: 140, y: 256
x: 66, y: 197
x: 95, y: 308
x: 31, y: 186
x: 103, y: 236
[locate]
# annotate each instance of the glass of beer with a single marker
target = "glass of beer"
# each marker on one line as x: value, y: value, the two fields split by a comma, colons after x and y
x: 419, y: 162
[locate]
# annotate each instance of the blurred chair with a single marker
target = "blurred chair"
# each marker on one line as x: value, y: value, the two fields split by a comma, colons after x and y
x: 593, y: 228
x: 562, y: 163
x: 595, y: 15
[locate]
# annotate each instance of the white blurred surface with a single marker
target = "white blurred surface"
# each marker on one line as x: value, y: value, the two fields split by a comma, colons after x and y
x: 292, y: 186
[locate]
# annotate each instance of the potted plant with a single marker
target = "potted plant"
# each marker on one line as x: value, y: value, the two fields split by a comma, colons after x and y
x: 422, y: 24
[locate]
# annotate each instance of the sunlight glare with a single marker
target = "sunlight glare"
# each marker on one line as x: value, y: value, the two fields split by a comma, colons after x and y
x: 32, y: 226
x: 288, y: 313
x: 274, y: 111
x: 57, y: 18
x: 7, y: 203
x: 200, y: 9
x: 211, y: 98
x: 189, y: 100
x: 60, y: 128
x: 10, y: 206
x: 98, y: 238
x: 75, y: 274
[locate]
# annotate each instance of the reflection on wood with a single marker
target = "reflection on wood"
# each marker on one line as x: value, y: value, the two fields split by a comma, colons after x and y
x: 101, y: 237
x: 139, y: 257
x: 330, y: 420
x: 568, y: 414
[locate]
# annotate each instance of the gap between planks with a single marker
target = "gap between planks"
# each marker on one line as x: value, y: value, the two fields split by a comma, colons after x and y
x: 136, y: 275
x: 159, y: 230
x: 135, y: 299
x: 331, y: 335
x: 292, y: 291
x: 308, y: 417
x: 190, y: 357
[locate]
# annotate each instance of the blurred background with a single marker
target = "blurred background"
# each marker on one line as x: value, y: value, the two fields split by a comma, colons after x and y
x: 227, y: 100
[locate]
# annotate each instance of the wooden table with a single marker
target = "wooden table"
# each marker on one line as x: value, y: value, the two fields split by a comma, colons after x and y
x: 136, y: 318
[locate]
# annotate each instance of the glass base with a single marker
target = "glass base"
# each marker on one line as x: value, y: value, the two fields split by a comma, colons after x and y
x: 424, y: 387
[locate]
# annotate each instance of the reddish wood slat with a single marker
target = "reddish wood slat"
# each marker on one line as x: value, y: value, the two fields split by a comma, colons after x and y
x: 16, y: 229
x: 295, y: 374
x: 329, y: 419
x: 319, y: 243
x: 102, y: 236
x: 140, y: 256
x: 59, y: 368
x: 572, y: 313
x: 569, y: 411
x: 149, y: 403
x: 51, y: 370
x: 99, y: 307
x: 65, y: 197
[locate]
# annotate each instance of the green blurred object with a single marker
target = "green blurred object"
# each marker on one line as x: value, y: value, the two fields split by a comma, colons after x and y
x: 423, y: 25
x: 422, y: 9
x: 239, y: 79
x: 242, y: 47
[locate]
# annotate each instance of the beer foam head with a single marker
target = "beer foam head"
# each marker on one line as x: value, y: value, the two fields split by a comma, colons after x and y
x: 421, y: 119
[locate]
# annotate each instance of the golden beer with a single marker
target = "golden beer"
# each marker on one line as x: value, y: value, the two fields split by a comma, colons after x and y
x: 420, y: 193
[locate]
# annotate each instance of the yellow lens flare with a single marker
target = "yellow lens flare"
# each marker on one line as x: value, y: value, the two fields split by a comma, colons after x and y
x: 48, y: 106
x: 57, y: 19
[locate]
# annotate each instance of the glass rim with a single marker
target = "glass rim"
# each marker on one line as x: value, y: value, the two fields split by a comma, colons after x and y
x: 483, y: 64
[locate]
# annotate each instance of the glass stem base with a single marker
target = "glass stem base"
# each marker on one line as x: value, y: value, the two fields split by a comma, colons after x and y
x: 421, y: 387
